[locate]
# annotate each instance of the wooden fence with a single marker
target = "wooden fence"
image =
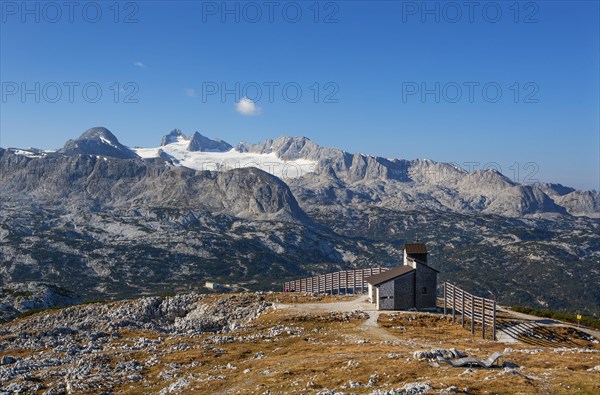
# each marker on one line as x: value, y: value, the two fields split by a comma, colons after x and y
x: 348, y: 281
x: 476, y: 309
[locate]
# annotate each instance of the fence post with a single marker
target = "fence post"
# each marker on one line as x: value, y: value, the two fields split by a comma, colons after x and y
x: 445, y: 296
x: 494, y: 321
x: 472, y: 314
x: 483, y: 317
x: 318, y: 278
x: 332, y: 282
x: 462, y: 308
x: 346, y: 283
x: 453, y: 303
x: 362, y: 281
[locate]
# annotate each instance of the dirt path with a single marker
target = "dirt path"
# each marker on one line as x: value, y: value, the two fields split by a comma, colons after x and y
x: 369, y: 327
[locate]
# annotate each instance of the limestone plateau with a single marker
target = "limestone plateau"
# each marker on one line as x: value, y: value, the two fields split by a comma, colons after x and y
x: 102, y: 220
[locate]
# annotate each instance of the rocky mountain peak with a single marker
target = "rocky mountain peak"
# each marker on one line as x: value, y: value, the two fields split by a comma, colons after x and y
x: 172, y: 137
x: 376, y: 180
x: 196, y: 142
x: 97, y: 141
x: 99, y: 133
x: 555, y: 189
x: 202, y: 143
x: 292, y: 148
x: 581, y: 203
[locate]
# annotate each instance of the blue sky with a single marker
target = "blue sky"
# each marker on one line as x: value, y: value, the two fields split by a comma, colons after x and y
x: 361, y: 67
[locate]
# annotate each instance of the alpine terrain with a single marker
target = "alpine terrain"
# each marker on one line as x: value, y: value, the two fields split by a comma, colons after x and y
x: 99, y: 220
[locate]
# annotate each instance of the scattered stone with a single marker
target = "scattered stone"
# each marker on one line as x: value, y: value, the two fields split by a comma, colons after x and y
x: 354, y: 384
x: 135, y: 377
x: 416, y: 388
x: 506, y: 371
x: 175, y: 387
x: 77, y: 344
x: 353, y: 363
x: 373, y: 380
x: 129, y: 366
x: 259, y: 355
x: 441, y: 352
x: 15, y: 388
x: 523, y: 351
x: 330, y: 392
x: 7, y: 360
x: 180, y: 314
x: 466, y: 372
x: 574, y: 350
x: 408, y: 389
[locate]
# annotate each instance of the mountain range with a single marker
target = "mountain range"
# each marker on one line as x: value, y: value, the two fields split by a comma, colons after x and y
x: 109, y: 221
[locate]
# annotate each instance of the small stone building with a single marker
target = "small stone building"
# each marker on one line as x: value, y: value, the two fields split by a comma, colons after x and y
x: 412, y: 285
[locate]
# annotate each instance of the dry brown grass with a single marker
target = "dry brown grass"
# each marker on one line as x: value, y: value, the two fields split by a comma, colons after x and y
x: 328, y: 353
x: 302, y: 297
x: 431, y: 327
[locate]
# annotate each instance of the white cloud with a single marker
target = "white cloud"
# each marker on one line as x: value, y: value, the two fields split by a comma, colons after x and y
x: 139, y: 64
x: 247, y: 107
x: 190, y: 92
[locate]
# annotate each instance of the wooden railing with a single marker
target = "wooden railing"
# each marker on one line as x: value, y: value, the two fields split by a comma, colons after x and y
x: 476, y: 309
x: 348, y: 281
